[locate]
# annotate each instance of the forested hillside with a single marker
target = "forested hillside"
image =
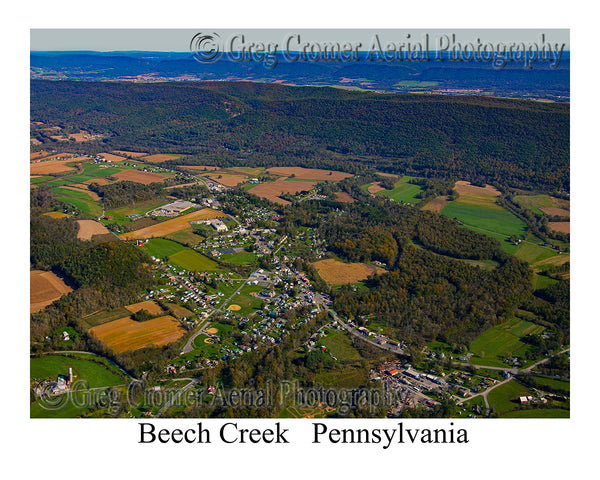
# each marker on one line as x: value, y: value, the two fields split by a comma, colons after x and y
x: 504, y: 142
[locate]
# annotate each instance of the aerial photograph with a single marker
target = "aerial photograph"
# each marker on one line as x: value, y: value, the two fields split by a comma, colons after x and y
x: 300, y: 224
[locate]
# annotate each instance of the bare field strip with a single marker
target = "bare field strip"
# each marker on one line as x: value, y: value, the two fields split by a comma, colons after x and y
x: 172, y: 226
x: 343, y: 197
x: 302, y: 173
x: 125, y: 153
x: 555, y: 212
x: 562, y: 227
x: 45, y: 288
x: 335, y: 272
x: 145, y: 178
x: 160, y: 157
x: 89, y: 228
x: 436, y: 205
x: 56, y: 214
x: 375, y: 187
x: 126, y: 334
x: 150, y: 306
x: 272, y: 190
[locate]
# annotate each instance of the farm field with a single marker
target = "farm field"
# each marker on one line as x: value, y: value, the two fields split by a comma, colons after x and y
x: 242, y: 258
x: 562, y: 227
x: 89, y: 228
x: 313, y: 174
x: 162, y: 248
x: 149, y: 305
x: 104, y: 316
x: 56, y: 214
x: 186, y: 236
x: 140, y: 177
x: 336, y: 272
x: 496, y: 220
x: 437, y: 204
x: 540, y: 203
x: 194, y: 261
x: 502, y: 341
x: 45, y: 288
x: 272, y: 190
x: 343, y: 197
x: 112, y: 157
x: 228, y: 181
x: 179, y: 311
x: 172, y: 225
x: 126, y: 334
x: 125, y: 153
x: 403, y: 191
x: 140, y: 209
x: 160, y: 157
x: 53, y: 166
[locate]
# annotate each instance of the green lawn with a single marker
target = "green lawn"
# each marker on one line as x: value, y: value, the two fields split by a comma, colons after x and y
x: 500, y: 398
x: 162, y: 248
x: 539, y: 413
x: 501, y: 340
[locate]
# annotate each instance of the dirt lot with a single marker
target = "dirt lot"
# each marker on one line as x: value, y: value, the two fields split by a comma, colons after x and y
x: 45, y: 288
x: 343, y: 197
x: 89, y: 228
x: 562, y: 227
x: 171, y: 226
x: 139, y: 177
x: 437, y: 204
x: 308, y: 173
x: 555, y: 212
x: 126, y: 334
x: 149, y: 305
x: 272, y: 190
x: 335, y: 272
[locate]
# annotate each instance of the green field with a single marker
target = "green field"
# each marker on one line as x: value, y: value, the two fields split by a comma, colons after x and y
x: 501, y: 398
x: 87, y: 207
x: 533, y: 253
x: 486, y: 220
x: 241, y: 258
x: 502, y: 341
x: 542, y: 281
x: 538, y: 413
x: 162, y: 248
x: 403, y: 191
x: 346, y: 377
x: 339, y: 346
x: 194, y: 261
x: 535, y: 202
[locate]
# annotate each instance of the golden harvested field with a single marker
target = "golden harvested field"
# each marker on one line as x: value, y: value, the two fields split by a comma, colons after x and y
x: 89, y: 228
x: 343, y: 197
x: 272, y: 190
x: 139, y: 177
x: 387, y: 174
x: 302, y: 173
x: 335, y: 272
x: 375, y: 187
x: 556, y: 260
x: 149, y: 305
x: 437, y: 204
x: 126, y: 334
x: 38, y: 155
x: 160, y: 157
x: 479, y: 196
x: 553, y: 211
x: 172, y: 226
x: 45, y: 288
x: 125, y: 153
x: 562, y: 227
x: 112, y: 157
x: 229, y: 180
x: 53, y: 166
x: 77, y: 137
x: 99, y: 181
x: 56, y: 214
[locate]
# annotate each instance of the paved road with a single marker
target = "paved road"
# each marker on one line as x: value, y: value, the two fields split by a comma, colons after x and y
x: 174, y: 399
